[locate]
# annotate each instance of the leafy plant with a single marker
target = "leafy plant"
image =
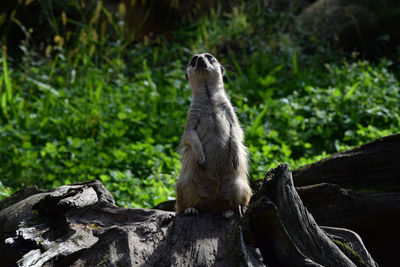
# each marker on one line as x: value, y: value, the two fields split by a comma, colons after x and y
x: 104, y: 109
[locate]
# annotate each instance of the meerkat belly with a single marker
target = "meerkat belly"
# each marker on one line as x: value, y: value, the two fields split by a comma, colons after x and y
x: 214, y: 134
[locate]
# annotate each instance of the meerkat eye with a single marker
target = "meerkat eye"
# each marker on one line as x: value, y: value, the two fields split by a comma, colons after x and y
x: 193, y: 61
x: 210, y: 58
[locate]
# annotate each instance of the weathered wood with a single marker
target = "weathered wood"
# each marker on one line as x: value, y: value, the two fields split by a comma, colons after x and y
x: 335, y: 206
x: 374, y: 216
x: 299, y: 223
x: 80, y: 225
x: 353, y: 241
x: 375, y: 165
x: 264, y: 227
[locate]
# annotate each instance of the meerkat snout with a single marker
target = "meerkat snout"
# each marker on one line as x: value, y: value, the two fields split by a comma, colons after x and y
x: 204, y: 65
x: 201, y: 63
x: 201, y: 60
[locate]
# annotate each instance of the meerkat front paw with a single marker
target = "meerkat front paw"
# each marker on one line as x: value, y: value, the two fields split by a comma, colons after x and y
x: 235, y: 161
x: 227, y: 214
x: 191, y: 211
x: 202, y: 164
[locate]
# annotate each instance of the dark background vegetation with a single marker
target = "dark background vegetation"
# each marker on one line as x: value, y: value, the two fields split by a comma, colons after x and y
x: 96, y: 89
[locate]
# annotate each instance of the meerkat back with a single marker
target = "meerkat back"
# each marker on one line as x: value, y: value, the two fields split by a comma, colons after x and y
x: 214, y: 159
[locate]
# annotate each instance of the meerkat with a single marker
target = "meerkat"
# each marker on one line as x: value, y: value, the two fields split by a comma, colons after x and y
x: 214, y: 159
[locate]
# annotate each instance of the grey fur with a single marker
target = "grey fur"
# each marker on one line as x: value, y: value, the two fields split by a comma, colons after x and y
x: 214, y: 159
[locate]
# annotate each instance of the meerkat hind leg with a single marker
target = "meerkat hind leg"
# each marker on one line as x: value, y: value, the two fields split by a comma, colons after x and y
x: 191, y: 211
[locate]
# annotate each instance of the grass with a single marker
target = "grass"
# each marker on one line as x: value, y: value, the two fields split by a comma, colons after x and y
x: 106, y: 110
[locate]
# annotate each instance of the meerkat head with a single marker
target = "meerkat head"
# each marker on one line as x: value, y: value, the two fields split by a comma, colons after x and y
x: 204, y: 69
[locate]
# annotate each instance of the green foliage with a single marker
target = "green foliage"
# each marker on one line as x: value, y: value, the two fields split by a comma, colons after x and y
x: 105, y: 110
x: 354, y: 104
x: 98, y: 123
x: 5, y: 191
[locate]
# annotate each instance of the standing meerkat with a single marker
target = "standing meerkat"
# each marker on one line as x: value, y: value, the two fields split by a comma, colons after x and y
x: 214, y: 159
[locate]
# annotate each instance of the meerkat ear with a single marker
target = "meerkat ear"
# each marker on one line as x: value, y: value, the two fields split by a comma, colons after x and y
x: 222, y: 71
x: 187, y: 77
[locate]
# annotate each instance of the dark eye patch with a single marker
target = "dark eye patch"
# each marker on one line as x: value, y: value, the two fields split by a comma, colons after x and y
x: 210, y: 58
x: 193, y: 61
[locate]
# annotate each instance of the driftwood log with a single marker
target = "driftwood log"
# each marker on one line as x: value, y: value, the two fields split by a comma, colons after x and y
x: 372, y: 206
x: 80, y: 225
x: 375, y: 165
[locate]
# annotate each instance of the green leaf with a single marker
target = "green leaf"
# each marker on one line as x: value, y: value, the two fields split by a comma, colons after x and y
x: 294, y: 62
x: 351, y: 91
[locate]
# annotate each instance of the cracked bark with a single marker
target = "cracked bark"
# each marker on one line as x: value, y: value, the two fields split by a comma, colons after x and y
x: 80, y: 225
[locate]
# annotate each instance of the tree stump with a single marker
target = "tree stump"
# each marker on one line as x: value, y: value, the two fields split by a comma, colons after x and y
x: 80, y: 225
x: 372, y: 206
